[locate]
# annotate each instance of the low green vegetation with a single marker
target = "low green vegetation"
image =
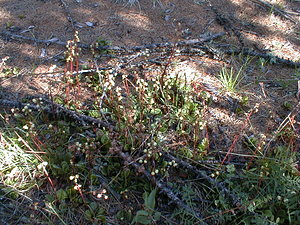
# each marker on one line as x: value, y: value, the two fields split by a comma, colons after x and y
x: 140, y: 153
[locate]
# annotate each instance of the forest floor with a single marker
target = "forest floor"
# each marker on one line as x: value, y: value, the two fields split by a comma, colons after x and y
x: 250, y: 23
x: 263, y: 105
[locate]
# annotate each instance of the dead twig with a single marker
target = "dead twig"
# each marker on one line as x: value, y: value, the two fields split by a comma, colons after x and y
x: 117, y: 48
x: 127, y: 159
x: 58, y: 110
x: 54, y: 41
x: 68, y: 13
x: 274, y: 59
x: 178, y: 44
x: 275, y: 9
x: 283, y: 124
x: 197, y: 43
x: 201, y: 174
x: 21, y: 37
x: 227, y: 24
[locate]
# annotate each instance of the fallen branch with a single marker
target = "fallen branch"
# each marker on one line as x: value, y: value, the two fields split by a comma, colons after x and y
x: 117, y: 48
x: 128, y: 160
x: 201, y: 174
x: 21, y: 37
x: 270, y: 57
x: 276, y: 10
x: 68, y: 13
x: 56, y: 109
x: 227, y: 24
x: 195, y: 42
x: 178, y: 44
x: 54, y: 41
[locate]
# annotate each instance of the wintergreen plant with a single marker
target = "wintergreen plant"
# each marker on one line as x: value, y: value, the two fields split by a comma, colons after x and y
x: 148, y: 215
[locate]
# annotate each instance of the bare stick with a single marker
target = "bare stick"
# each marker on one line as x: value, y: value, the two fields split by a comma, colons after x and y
x: 200, y: 42
x: 250, y: 52
x: 53, y: 41
x: 159, y: 184
x: 178, y: 44
x: 275, y: 9
x: 117, y: 48
x: 202, y: 174
x: 67, y: 11
x: 56, y: 109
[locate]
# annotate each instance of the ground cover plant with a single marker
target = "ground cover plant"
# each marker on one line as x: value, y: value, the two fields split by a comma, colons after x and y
x: 155, y: 141
x: 139, y: 137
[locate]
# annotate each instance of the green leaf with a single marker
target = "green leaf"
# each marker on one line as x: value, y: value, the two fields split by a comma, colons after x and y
x: 101, y: 211
x: 59, y: 100
x: 93, y: 206
x: 156, y: 215
x: 65, y: 166
x: 63, y: 206
x: 246, y: 221
x: 142, y: 217
x: 49, y: 198
x: 156, y: 111
x: 101, y: 218
x: 142, y: 213
x: 268, y: 213
x: 230, y: 168
x: 94, y: 113
x: 55, y: 166
x: 150, y: 200
x: 61, y: 194
x: 104, y: 139
x: 88, y: 214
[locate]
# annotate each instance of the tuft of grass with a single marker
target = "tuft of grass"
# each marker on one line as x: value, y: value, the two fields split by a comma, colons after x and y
x: 19, y: 173
x: 230, y: 79
x: 233, y: 76
x: 18, y: 167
